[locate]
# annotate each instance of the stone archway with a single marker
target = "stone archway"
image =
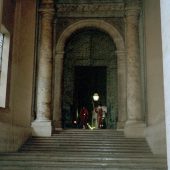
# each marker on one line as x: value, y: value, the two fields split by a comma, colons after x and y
x: 99, y: 24
x: 121, y: 60
x: 129, y: 81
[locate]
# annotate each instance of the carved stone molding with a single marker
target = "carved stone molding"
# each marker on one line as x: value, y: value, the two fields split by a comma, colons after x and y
x: 93, y: 10
x: 47, y: 6
x: 132, y: 7
x: 133, y: 3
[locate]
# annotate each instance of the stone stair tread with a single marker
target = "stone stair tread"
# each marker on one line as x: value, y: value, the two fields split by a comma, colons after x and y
x: 84, y: 154
x: 78, y: 168
x: 84, y: 144
x: 87, y: 143
x: 83, y: 149
x: 81, y: 158
x: 90, y: 137
x: 80, y: 162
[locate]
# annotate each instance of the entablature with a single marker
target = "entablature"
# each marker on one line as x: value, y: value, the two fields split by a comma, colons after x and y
x: 97, y: 9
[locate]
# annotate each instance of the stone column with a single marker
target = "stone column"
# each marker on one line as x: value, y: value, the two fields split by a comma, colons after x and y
x: 134, y: 125
x: 58, y: 90
x: 42, y: 125
x: 121, y: 62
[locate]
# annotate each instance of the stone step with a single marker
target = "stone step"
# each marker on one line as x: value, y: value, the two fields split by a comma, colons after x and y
x: 89, y: 134
x: 79, y: 168
x: 84, y: 164
x: 121, y: 150
x: 87, y: 150
x: 92, y: 141
x: 88, y: 142
x: 46, y: 167
x: 72, y: 144
x: 76, y: 138
x: 19, y: 157
x: 82, y: 154
x: 89, y: 139
x: 83, y: 149
x: 89, y: 131
x: 56, y: 146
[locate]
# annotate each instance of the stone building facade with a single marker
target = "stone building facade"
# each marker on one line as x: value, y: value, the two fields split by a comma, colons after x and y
x: 121, y: 21
x: 38, y: 73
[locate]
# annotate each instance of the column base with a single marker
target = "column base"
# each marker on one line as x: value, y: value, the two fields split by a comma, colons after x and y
x: 120, y: 125
x: 41, y: 128
x: 135, y: 129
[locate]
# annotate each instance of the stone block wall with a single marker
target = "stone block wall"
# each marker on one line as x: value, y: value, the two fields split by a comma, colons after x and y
x: 15, y: 119
x: 155, y: 132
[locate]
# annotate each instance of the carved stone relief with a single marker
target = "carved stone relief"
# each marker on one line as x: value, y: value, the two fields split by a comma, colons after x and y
x: 90, y: 10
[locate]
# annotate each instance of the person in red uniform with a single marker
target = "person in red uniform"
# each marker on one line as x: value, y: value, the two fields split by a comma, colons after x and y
x: 99, y: 112
x: 84, y: 117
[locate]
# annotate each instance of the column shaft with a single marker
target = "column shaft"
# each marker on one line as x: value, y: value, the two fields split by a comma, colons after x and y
x: 121, y: 61
x: 58, y: 89
x: 134, y: 125
x: 45, y: 69
x: 42, y: 125
x: 133, y: 67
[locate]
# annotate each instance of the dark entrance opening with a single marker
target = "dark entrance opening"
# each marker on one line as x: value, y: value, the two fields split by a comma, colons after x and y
x: 89, y: 80
x: 90, y: 65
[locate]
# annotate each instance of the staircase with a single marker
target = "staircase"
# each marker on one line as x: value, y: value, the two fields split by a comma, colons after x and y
x: 81, y: 150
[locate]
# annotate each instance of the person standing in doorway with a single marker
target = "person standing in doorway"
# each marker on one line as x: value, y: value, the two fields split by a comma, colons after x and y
x: 99, y: 112
x: 84, y: 117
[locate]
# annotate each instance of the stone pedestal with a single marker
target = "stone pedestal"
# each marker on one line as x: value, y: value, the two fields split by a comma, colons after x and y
x: 42, y: 125
x: 134, y: 126
x: 41, y: 128
x: 135, y: 129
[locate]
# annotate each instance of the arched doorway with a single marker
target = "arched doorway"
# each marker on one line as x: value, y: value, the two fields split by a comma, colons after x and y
x: 121, y: 65
x: 90, y: 65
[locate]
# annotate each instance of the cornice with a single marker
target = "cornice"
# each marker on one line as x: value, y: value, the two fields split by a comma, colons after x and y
x: 95, y: 9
